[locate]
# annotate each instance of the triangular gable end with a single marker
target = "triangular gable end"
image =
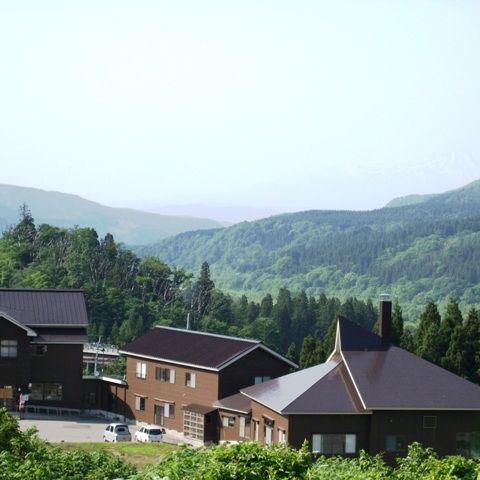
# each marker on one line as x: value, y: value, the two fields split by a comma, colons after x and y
x: 30, y: 332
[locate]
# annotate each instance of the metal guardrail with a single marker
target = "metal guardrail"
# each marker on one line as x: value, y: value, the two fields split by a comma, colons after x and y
x: 48, y: 410
x: 100, y: 348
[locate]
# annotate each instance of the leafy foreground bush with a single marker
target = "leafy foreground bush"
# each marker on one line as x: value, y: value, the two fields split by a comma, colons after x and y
x: 24, y: 456
x: 250, y: 461
x: 244, y: 461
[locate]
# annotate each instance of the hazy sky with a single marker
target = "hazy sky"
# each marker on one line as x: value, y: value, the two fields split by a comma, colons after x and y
x: 276, y: 104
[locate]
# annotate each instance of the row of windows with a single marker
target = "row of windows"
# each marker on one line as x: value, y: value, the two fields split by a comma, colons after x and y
x: 9, y: 349
x: 166, y: 409
x: 46, y: 391
x: 165, y: 374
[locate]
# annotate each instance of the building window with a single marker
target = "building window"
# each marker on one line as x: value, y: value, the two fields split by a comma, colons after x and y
x: 228, y: 421
x: 190, y: 379
x: 430, y: 421
x: 141, y: 370
x: 8, y: 348
x: 193, y: 424
x: 36, y: 391
x: 241, y: 426
x: 39, y: 350
x: 282, y: 436
x: 395, y: 443
x: 46, y: 391
x: 139, y: 402
x: 261, y: 379
x: 268, y: 424
x: 334, y: 443
x: 170, y: 410
x: 165, y: 374
x: 468, y: 444
x: 52, y: 391
x: 256, y: 430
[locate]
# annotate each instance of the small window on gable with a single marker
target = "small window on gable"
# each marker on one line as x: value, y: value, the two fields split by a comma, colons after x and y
x: 8, y: 348
x: 430, y: 421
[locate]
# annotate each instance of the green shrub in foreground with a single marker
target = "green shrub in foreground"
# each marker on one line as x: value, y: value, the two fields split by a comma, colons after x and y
x: 24, y: 456
x: 244, y: 461
x: 251, y: 461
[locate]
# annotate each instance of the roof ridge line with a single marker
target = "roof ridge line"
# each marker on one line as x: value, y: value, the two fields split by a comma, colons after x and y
x: 318, y: 379
x: 197, y: 332
x: 353, y: 380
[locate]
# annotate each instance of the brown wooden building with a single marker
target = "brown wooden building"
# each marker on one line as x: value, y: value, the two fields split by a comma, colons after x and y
x: 174, y: 377
x: 369, y: 395
x: 42, y: 333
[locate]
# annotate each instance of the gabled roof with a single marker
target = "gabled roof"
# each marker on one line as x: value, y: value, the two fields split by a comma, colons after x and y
x: 363, y: 375
x: 36, y: 307
x: 355, y: 337
x: 29, y: 331
x: 189, y: 347
x: 320, y: 389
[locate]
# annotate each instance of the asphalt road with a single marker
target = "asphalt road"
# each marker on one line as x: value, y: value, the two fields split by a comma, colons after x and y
x: 77, y: 429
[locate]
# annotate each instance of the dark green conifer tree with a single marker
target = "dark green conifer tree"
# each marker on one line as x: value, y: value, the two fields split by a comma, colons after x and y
x: 427, y: 341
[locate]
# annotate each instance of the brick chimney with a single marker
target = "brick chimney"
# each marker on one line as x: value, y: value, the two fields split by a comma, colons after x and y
x: 385, y: 318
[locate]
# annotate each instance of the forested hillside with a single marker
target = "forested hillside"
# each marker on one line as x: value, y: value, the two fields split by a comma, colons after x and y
x: 64, y: 210
x: 418, y: 252
x: 127, y: 295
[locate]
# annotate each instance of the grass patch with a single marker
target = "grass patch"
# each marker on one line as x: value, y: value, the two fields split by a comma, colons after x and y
x: 138, y: 454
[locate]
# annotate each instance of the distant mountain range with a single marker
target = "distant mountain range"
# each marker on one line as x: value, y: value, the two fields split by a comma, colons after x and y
x: 418, y: 248
x: 129, y: 226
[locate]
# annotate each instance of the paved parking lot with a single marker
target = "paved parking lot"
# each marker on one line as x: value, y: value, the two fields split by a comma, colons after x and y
x: 77, y: 429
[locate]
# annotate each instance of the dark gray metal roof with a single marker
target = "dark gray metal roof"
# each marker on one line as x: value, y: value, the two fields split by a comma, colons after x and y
x: 363, y: 375
x: 355, y: 337
x: 297, y: 388
x: 237, y: 403
x: 334, y: 393
x: 197, y: 408
x: 397, y: 379
x: 190, y: 347
x: 60, y: 335
x: 44, y: 307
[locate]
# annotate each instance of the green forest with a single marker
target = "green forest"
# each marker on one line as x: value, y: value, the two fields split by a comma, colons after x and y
x: 418, y: 252
x: 126, y: 295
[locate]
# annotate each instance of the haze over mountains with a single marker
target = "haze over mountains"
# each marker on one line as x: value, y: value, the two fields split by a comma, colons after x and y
x: 418, y: 248
x: 65, y: 210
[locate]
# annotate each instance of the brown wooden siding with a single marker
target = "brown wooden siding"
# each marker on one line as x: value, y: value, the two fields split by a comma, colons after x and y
x: 259, y: 415
x: 158, y: 392
x: 60, y: 364
x: 15, y: 371
x: 232, y: 433
x: 242, y: 373
x: 410, y: 425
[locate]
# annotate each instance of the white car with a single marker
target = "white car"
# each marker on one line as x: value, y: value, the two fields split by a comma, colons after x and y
x: 117, y: 432
x: 150, y: 433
